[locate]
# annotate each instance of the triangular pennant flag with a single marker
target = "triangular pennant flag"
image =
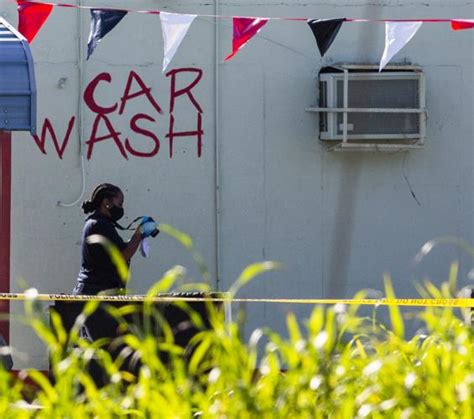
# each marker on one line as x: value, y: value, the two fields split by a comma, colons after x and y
x: 397, y: 35
x: 102, y: 22
x: 325, y: 31
x: 174, y: 27
x: 31, y: 17
x: 459, y: 24
x: 244, y: 30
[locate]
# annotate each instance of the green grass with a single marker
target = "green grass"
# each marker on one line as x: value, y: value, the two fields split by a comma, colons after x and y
x: 335, y: 364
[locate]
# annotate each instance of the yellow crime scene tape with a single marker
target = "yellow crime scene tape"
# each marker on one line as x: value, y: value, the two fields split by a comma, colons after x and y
x: 413, y: 302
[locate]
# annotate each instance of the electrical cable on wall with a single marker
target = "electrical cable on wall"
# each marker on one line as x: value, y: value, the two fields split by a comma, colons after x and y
x: 80, y: 114
x: 409, y: 183
x: 83, y: 189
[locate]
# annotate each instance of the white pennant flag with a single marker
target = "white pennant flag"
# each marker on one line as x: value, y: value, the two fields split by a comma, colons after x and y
x: 174, y: 27
x: 397, y: 35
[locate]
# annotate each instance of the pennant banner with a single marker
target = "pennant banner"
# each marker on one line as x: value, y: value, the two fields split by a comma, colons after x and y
x: 325, y: 31
x: 459, y: 24
x: 304, y: 19
x: 31, y: 17
x: 102, y: 22
x: 398, y: 32
x: 397, y: 35
x: 244, y: 30
x: 174, y: 27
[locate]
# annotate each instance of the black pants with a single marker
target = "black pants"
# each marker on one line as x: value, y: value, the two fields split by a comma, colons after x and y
x: 99, y: 324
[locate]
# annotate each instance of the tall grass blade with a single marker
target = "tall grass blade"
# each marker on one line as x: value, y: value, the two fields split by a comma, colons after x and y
x: 396, y: 320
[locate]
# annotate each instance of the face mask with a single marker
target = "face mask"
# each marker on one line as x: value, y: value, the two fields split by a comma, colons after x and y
x: 116, y: 213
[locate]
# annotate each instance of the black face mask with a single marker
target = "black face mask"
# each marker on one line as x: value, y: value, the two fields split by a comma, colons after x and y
x: 116, y: 213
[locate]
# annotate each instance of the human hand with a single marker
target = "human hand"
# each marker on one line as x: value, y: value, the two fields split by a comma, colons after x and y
x: 148, y: 227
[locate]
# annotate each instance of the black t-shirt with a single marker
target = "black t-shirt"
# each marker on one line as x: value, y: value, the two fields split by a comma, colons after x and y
x: 98, y: 273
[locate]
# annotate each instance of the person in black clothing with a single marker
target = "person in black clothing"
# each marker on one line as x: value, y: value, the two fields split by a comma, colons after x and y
x: 98, y: 273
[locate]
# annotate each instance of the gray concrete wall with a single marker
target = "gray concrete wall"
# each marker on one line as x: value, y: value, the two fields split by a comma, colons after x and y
x: 336, y: 221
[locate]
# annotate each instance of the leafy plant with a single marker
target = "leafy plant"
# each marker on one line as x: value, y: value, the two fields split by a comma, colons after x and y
x: 334, y: 364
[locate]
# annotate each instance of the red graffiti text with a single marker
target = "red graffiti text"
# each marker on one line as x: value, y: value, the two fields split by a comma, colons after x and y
x: 141, y: 137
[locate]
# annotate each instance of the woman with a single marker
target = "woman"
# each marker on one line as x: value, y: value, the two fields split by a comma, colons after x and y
x: 98, y: 273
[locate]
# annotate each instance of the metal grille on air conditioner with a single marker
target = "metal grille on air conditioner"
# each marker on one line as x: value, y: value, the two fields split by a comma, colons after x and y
x: 363, y: 109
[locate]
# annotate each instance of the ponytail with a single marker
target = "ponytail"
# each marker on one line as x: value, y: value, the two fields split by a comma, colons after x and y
x: 102, y: 191
x: 88, y: 206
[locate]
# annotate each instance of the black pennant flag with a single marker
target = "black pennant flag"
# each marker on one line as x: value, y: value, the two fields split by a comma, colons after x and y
x: 325, y: 31
x: 102, y: 22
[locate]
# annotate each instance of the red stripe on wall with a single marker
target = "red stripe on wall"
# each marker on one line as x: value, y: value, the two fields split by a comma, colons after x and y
x: 5, y: 204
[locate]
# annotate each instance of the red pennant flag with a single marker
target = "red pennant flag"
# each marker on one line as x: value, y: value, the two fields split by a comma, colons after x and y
x: 458, y: 24
x: 31, y: 17
x: 244, y: 30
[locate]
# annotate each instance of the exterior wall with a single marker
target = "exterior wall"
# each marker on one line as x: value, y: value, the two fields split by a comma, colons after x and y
x: 336, y: 221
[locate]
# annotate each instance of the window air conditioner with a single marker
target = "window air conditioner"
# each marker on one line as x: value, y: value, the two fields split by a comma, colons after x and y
x: 361, y: 107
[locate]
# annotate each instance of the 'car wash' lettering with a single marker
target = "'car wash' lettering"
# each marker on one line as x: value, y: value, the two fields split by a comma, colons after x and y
x: 142, y: 140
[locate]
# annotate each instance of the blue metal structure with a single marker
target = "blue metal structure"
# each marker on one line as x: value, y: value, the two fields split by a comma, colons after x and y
x: 17, y: 82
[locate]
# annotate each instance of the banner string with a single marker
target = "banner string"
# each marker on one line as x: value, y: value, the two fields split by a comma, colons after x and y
x: 298, y: 19
x: 413, y: 302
